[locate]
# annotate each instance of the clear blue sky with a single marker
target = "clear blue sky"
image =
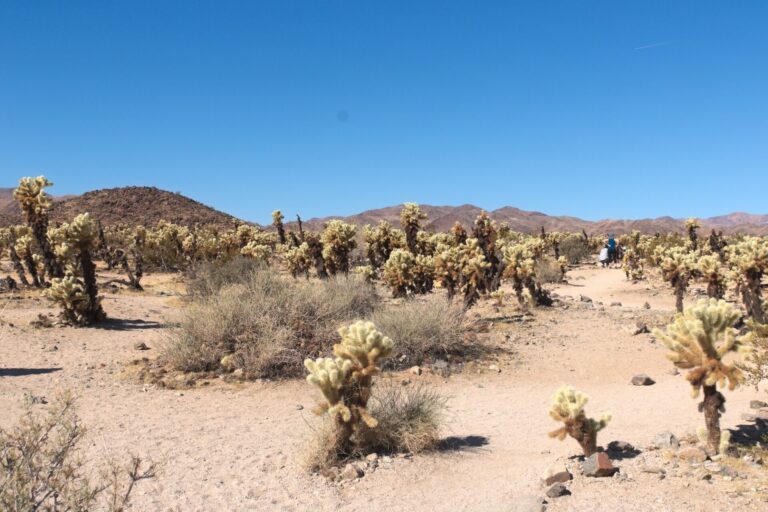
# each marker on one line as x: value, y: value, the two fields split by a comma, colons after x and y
x: 594, y: 109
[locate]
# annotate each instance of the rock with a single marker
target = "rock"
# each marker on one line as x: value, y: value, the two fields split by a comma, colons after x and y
x: 584, y: 298
x: 371, y: 457
x: 646, y: 306
x: 386, y: 459
x: 692, y: 454
x: 702, y: 474
x: 299, y: 407
x: 494, y: 368
x: 557, y: 490
x: 674, y: 371
x: 352, y: 472
x: 557, y: 473
x: 757, y: 404
x: 615, y: 304
x: 666, y: 440
x: 654, y: 469
x: 620, y: 447
x: 416, y: 370
x: 440, y: 364
x: 141, y: 346
x: 641, y: 328
x: 642, y: 380
x: 598, y: 465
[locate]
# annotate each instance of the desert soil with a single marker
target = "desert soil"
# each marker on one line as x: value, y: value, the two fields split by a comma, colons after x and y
x: 239, y: 446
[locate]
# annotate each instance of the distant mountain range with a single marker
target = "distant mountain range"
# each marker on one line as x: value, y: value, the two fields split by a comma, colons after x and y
x: 148, y: 205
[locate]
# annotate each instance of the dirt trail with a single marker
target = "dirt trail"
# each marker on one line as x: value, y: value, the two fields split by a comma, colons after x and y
x: 239, y: 447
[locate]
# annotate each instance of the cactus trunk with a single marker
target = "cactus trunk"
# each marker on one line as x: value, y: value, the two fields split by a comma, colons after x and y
x: 712, y: 405
x: 17, y: 266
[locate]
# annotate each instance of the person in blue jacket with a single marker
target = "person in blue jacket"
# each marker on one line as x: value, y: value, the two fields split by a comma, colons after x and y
x: 611, y: 249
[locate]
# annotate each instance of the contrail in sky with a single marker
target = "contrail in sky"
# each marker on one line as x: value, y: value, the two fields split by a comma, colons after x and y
x: 653, y: 45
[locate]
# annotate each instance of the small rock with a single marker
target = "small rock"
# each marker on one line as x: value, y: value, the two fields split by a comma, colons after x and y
x: 654, y: 469
x: 352, y: 472
x: 239, y: 373
x: 615, y: 304
x: 141, y: 346
x: 674, y: 371
x: 757, y: 404
x: 299, y: 407
x: 702, y: 474
x: 556, y: 474
x: 713, y: 467
x: 641, y: 328
x: 642, y: 380
x: 386, y: 459
x: 529, y: 504
x: 620, y: 447
x: 692, y: 454
x: 416, y: 370
x: 557, y: 490
x: 598, y: 465
x: 666, y: 440
x: 584, y: 298
x: 372, y: 457
x: 646, y: 306
x: 440, y: 364
x: 494, y: 368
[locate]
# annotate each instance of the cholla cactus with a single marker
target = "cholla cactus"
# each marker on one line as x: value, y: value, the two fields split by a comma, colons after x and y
x: 346, y: 380
x: 35, y: 204
x: 632, y: 264
x: 82, y: 306
x: 24, y: 246
x: 410, y: 220
x: 338, y: 240
x: 678, y: 266
x: 298, y: 260
x: 461, y: 267
x: 750, y: 258
x: 498, y: 297
x: 568, y: 407
x: 698, y: 341
x: 367, y: 272
x: 486, y: 235
x: 277, y: 222
x: 257, y: 252
x: 406, y: 273
x: 459, y: 233
x: 520, y: 260
x: 711, y: 270
x: 380, y: 242
x: 691, y: 225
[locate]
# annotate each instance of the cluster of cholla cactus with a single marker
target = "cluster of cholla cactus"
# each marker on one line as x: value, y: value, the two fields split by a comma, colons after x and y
x: 406, y: 273
x: 380, y: 241
x: 698, y: 341
x: 462, y: 268
x: 346, y: 381
x: 568, y: 408
x: 338, y: 241
x: 410, y: 220
x: 77, y: 292
x: 257, y: 252
x: 749, y: 259
x: 520, y: 267
x: 678, y: 267
x: 712, y: 271
x: 298, y: 260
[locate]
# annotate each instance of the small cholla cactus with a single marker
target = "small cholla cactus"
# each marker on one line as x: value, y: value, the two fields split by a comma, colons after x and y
x: 338, y: 241
x: 298, y: 260
x: 410, y: 220
x: 459, y: 233
x: 750, y: 259
x: 568, y: 407
x: 520, y: 267
x: 406, y: 273
x: 35, y: 204
x: 632, y: 264
x: 277, y: 222
x: 691, y: 225
x: 710, y: 268
x: 346, y: 380
x: 678, y: 266
x: 367, y: 272
x: 380, y: 241
x: 498, y: 296
x: 485, y: 233
x: 79, y: 299
x: 698, y: 340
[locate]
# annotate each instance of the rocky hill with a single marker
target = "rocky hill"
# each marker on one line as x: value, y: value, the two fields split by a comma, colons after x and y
x: 125, y: 205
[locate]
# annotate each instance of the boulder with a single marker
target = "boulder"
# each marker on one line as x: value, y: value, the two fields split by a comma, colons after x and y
x: 642, y: 380
x: 598, y: 465
x: 557, y: 490
x: 666, y: 440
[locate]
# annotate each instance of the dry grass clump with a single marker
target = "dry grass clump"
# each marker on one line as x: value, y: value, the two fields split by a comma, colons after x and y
x: 422, y: 329
x: 42, y: 467
x: 575, y: 248
x: 548, y: 271
x: 266, y: 324
x: 207, y: 278
x: 410, y: 420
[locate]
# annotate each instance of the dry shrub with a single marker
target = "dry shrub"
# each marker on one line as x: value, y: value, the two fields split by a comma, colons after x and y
x: 548, y: 271
x: 208, y: 278
x: 575, y: 249
x: 267, y: 324
x: 410, y: 419
x: 422, y: 329
x: 42, y: 467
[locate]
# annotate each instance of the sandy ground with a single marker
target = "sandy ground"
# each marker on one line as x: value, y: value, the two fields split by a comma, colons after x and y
x: 238, y: 447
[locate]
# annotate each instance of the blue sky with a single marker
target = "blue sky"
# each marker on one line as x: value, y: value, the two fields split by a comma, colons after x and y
x: 593, y: 109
